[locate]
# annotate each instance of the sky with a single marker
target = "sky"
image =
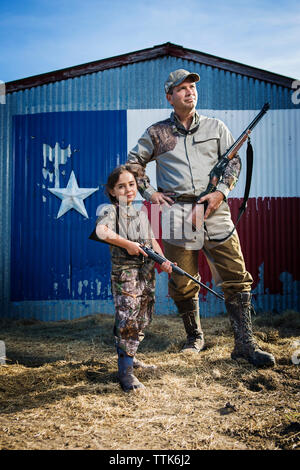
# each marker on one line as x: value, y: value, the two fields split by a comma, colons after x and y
x: 39, y: 36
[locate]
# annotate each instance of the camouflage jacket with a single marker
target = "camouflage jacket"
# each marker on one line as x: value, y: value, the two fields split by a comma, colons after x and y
x: 184, y: 160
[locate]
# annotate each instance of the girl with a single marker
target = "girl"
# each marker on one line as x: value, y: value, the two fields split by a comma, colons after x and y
x: 132, y: 276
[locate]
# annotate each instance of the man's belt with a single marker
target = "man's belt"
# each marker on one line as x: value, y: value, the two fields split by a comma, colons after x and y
x: 185, y: 198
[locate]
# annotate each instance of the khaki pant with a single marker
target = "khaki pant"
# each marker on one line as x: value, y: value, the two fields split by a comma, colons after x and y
x: 226, y: 263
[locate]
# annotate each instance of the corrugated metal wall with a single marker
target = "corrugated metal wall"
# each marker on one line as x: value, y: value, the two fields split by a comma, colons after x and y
x: 268, y: 231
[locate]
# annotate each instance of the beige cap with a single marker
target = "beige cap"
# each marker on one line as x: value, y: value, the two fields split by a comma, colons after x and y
x: 178, y: 76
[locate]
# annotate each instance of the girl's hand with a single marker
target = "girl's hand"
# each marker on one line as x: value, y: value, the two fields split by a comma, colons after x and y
x: 134, y: 249
x: 166, y: 267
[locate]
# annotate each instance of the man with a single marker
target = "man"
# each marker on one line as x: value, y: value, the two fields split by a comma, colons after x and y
x: 186, y: 147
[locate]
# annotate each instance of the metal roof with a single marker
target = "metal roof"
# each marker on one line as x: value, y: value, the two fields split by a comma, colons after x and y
x: 163, y: 50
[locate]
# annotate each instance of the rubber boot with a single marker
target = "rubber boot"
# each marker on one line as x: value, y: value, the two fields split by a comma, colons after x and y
x: 189, y: 312
x: 239, y: 309
x: 127, y: 380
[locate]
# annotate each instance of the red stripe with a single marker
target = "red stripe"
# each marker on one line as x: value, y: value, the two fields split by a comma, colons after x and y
x: 269, y: 234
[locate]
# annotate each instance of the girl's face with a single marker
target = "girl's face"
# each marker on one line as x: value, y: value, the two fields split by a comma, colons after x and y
x: 125, y: 188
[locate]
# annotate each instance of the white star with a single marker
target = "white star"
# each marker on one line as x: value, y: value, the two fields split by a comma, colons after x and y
x: 72, y: 197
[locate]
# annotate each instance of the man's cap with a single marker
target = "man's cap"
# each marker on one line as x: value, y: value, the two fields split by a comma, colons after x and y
x: 178, y: 76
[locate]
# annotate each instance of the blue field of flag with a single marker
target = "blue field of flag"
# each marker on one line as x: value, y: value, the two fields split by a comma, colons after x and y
x: 61, y: 163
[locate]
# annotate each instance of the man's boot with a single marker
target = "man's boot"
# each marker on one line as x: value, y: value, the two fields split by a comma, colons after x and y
x: 189, y: 312
x: 239, y: 309
x: 127, y: 380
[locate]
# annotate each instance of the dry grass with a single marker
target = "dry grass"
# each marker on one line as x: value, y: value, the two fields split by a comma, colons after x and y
x: 59, y: 388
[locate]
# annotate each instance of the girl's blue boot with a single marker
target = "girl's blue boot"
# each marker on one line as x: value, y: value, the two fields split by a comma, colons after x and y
x: 127, y: 380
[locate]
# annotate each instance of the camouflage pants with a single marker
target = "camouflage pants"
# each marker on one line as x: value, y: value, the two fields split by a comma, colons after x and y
x: 134, y: 297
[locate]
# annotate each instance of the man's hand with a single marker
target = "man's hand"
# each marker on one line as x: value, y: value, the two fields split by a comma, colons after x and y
x: 214, y: 200
x: 162, y: 198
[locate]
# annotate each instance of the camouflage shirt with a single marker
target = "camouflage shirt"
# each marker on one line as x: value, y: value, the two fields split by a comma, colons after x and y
x: 132, y: 224
x: 184, y: 160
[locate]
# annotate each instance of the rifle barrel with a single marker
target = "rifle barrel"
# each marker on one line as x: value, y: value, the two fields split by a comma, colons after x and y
x: 249, y: 128
x: 259, y: 116
x: 203, y: 285
x: 160, y: 259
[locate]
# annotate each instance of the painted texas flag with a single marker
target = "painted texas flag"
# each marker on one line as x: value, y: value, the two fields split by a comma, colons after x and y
x: 61, y: 163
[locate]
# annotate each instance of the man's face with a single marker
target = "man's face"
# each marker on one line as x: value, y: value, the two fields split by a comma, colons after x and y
x: 184, y: 97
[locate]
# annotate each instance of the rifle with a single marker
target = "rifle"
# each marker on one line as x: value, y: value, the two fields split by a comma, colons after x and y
x: 220, y: 167
x: 160, y: 259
